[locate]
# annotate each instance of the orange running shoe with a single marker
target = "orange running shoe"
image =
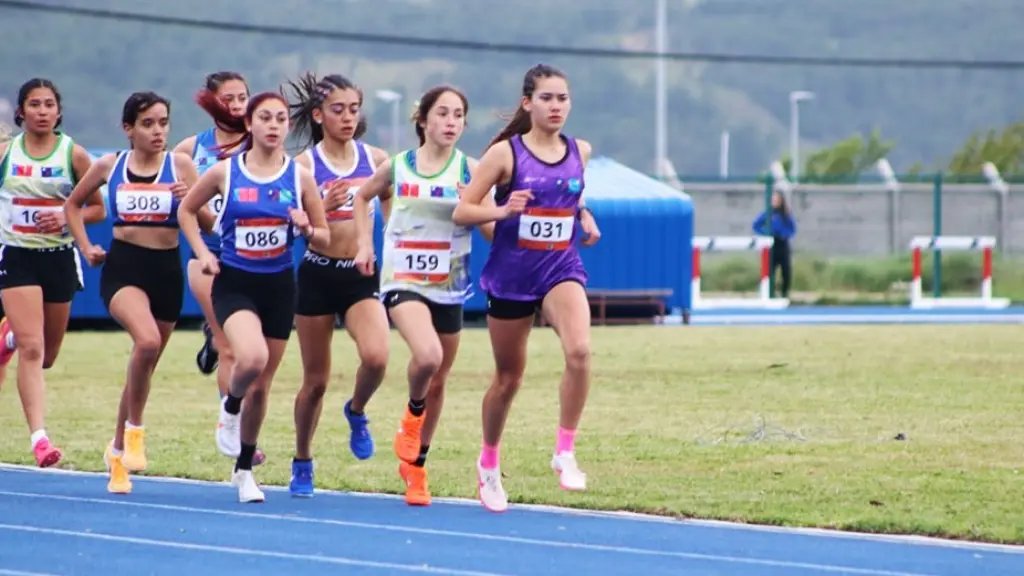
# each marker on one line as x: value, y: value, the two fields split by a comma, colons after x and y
x: 407, y: 440
x: 415, y: 478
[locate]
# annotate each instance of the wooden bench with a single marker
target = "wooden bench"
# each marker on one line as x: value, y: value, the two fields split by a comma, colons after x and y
x: 602, y: 300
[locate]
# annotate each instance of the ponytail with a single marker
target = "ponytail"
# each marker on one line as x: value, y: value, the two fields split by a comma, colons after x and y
x: 519, y: 123
x: 310, y: 93
x: 222, y: 118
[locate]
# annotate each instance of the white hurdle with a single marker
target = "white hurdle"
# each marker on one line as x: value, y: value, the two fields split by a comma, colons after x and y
x: 961, y: 244
x: 735, y: 244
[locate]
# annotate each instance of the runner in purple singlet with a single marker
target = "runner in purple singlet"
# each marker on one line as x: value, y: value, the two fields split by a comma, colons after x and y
x: 534, y: 265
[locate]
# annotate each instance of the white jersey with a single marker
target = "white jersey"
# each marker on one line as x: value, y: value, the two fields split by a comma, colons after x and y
x: 30, y: 187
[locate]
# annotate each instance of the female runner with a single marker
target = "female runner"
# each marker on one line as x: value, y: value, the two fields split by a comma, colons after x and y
x: 425, y: 266
x: 328, y: 283
x: 534, y: 265
x: 224, y: 98
x: 40, y: 270
x: 142, y: 283
x: 267, y: 197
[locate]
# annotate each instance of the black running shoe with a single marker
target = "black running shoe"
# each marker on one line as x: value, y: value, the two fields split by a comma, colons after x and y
x: 207, y: 359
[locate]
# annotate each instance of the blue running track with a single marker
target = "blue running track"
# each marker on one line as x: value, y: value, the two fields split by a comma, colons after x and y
x: 60, y: 522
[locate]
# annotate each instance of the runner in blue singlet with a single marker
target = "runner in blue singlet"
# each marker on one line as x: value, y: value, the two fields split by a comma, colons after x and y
x: 224, y: 97
x: 268, y: 198
x: 142, y: 283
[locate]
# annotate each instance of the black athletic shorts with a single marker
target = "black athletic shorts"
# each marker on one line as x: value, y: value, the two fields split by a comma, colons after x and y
x: 57, y: 271
x: 156, y: 272
x: 271, y: 297
x: 447, y: 318
x: 329, y: 286
x: 505, y: 309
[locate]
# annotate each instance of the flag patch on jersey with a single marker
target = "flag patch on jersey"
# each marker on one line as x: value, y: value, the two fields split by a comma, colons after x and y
x: 409, y: 190
x: 281, y: 195
x: 443, y: 192
x: 247, y: 195
x: 21, y: 170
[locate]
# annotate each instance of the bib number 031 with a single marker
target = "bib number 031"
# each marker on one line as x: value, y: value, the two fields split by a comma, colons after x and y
x: 546, y: 228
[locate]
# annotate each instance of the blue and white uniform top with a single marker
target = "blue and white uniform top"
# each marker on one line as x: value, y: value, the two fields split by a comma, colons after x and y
x: 324, y: 172
x: 255, y: 228
x: 204, y: 155
x: 142, y: 202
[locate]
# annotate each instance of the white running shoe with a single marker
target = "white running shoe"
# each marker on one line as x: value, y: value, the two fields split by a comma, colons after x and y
x: 248, y: 491
x: 492, y: 495
x: 569, y: 475
x: 229, y: 440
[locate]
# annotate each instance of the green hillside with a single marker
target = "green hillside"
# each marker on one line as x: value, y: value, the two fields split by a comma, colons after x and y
x: 929, y: 112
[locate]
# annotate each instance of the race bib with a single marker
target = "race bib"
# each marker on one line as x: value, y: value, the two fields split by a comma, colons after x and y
x: 144, y: 202
x: 546, y: 228
x: 344, y: 212
x: 25, y: 213
x: 261, y: 238
x: 422, y: 260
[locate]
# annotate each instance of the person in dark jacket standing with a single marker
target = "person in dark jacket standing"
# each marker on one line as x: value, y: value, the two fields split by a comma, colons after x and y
x: 782, y: 229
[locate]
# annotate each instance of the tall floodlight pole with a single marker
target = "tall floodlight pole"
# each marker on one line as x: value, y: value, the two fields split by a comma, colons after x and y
x: 661, y: 89
x: 395, y: 99
x: 795, y: 98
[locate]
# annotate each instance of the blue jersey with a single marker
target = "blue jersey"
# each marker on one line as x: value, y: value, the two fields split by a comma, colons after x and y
x: 146, y: 201
x: 204, y: 155
x: 255, y: 228
x: 324, y: 172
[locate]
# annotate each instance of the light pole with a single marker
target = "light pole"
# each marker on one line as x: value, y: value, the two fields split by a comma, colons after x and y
x: 660, y: 92
x: 795, y: 98
x: 395, y: 99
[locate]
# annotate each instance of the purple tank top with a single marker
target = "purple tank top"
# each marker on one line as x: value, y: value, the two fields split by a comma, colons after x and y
x: 537, y: 250
x: 325, y: 173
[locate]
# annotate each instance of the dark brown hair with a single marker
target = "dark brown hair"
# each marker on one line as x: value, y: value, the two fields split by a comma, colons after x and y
x: 519, y: 122
x: 426, y: 104
x: 27, y: 89
x: 310, y: 95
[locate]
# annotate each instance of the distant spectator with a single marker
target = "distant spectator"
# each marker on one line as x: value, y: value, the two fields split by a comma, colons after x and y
x: 783, y: 228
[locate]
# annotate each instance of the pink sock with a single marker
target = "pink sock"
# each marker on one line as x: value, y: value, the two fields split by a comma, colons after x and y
x: 566, y: 441
x: 489, y: 457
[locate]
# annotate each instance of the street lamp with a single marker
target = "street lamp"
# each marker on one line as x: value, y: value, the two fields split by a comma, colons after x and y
x: 795, y: 98
x: 395, y: 99
x: 660, y: 92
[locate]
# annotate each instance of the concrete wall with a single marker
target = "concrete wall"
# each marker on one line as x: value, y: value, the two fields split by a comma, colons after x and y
x: 866, y: 219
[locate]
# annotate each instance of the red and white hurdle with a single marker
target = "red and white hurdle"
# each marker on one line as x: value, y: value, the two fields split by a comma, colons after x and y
x: 960, y: 244
x: 735, y: 244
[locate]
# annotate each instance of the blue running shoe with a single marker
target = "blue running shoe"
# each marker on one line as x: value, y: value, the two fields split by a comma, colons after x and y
x: 361, y: 441
x: 301, y: 485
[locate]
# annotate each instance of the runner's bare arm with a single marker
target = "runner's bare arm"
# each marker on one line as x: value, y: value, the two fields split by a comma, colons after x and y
x: 378, y: 186
x: 493, y: 168
x: 87, y: 188
x: 320, y: 239
x: 188, y: 175
x: 94, y: 210
x: 199, y: 195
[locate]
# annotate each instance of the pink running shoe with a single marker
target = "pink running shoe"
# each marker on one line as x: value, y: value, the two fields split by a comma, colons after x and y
x: 46, y: 454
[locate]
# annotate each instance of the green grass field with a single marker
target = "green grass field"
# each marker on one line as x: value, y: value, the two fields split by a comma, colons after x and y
x: 672, y: 426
